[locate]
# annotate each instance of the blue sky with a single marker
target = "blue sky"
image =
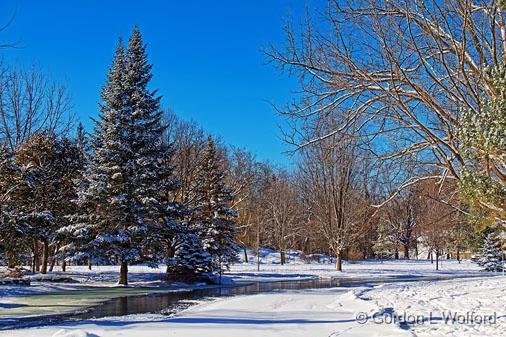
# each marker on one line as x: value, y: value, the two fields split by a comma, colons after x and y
x: 208, y: 64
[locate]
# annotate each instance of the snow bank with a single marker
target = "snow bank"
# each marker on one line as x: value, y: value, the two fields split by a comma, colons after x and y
x: 73, y: 333
x: 462, y: 307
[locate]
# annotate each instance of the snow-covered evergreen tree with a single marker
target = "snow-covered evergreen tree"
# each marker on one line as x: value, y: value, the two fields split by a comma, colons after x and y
x: 74, y: 237
x: 483, y: 145
x: 213, y: 217
x: 12, y: 235
x: 490, y: 255
x: 189, y: 258
x: 124, y: 180
x: 384, y: 245
x: 48, y: 166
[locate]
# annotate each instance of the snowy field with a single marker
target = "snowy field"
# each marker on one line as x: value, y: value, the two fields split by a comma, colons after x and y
x: 270, y: 270
x: 370, y: 269
x: 324, y: 312
x: 309, y: 313
x: 465, y: 307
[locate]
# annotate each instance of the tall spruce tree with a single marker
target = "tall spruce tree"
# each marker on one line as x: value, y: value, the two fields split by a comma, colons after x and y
x: 213, y: 217
x: 125, y: 175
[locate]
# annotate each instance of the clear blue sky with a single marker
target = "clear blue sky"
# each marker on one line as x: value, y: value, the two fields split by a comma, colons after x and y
x: 206, y: 54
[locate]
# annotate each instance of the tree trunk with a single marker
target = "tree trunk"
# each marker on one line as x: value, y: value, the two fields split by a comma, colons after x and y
x: 282, y: 256
x: 396, y: 256
x: 64, y: 265
x: 458, y: 255
x: 33, y: 262
x: 45, y: 256
x: 221, y: 271
x: 89, y: 264
x: 305, y: 246
x: 51, y: 264
x: 36, y: 260
x: 53, y: 259
x: 123, y: 273
x: 258, y: 246
x: 11, y: 260
x: 437, y: 260
x: 339, y: 261
x: 245, y: 255
x: 171, y: 251
x: 406, y: 251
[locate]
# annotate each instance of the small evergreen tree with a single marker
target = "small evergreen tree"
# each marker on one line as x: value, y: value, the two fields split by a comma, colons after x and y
x: 213, y: 217
x: 490, y: 255
x: 384, y: 244
x: 189, y: 259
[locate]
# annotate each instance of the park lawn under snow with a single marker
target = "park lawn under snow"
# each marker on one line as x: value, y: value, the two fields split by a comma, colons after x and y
x: 270, y: 270
x: 323, y: 312
x: 147, y: 280
x: 369, y: 269
x: 315, y: 313
x: 447, y: 308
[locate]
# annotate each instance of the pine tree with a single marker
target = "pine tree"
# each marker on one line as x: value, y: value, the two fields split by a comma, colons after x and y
x: 482, y: 137
x: 189, y: 258
x: 126, y: 173
x: 213, y: 217
x: 490, y: 256
x: 384, y: 245
x: 12, y: 235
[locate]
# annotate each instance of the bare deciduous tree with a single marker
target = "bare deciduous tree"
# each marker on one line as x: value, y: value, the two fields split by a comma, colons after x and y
x: 327, y: 172
x: 398, y: 72
x: 437, y: 221
x: 29, y: 103
x: 283, y: 213
x: 401, y: 218
x: 188, y: 142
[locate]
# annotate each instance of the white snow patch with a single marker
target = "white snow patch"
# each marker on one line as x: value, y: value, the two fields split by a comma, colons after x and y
x: 73, y: 333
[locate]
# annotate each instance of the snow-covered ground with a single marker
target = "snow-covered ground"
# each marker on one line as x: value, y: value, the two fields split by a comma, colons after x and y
x: 270, y: 270
x: 370, y: 269
x: 306, y: 313
x: 322, y: 312
x: 461, y: 307
x: 380, y: 311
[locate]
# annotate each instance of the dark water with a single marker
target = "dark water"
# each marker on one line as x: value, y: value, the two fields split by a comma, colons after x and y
x: 170, y: 302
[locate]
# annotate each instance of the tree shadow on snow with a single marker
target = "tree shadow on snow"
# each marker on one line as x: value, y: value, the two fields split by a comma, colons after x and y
x: 223, y: 320
x: 269, y: 275
x: 11, y: 305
